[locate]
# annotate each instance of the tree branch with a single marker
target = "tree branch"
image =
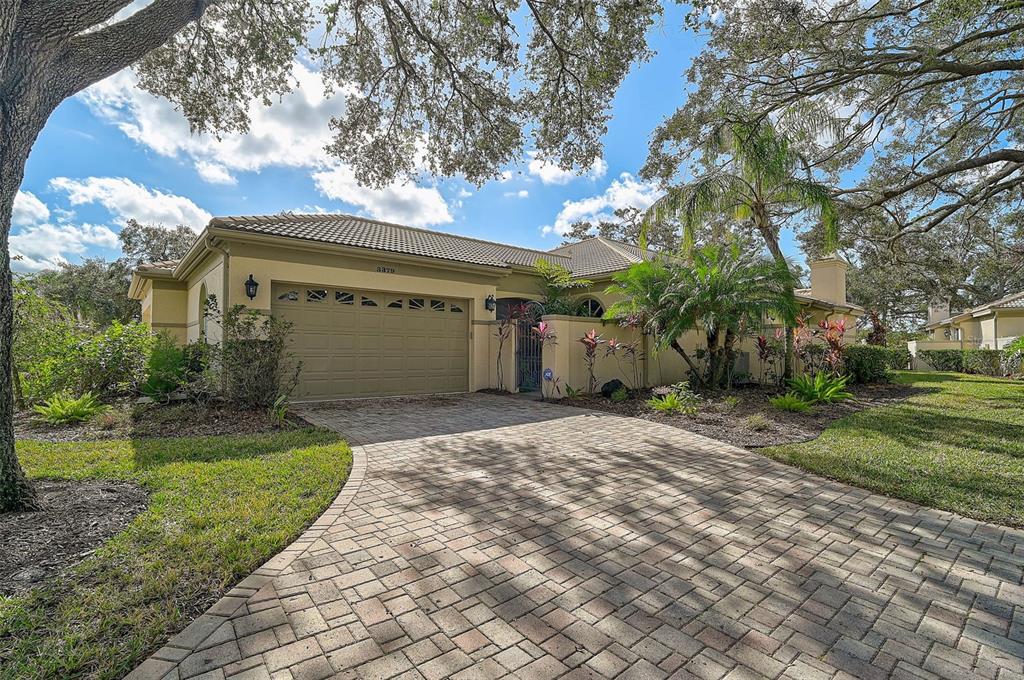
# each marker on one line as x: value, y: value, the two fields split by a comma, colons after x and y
x: 1002, y: 155
x: 94, y: 56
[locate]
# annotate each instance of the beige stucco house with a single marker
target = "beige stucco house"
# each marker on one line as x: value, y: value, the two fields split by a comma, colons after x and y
x: 990, y: 326
x: 385, y: 309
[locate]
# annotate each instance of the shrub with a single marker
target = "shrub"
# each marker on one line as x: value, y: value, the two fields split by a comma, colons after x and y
x: 943, y: 359
x: 1013, y: 363
x: 113, y: 362
x: 673, y: 403
x: 1016, y: 345
x: 620, y: 395
x: 731, y: 402
x: 253, y: 359
x: 167, y: 369
x: 757, y: 422
x: 899, y: 358
x: 983, y: 361
x: 63, y: 408
x: 868, y: 364
x: 821, y: 387
x: 790, y: 401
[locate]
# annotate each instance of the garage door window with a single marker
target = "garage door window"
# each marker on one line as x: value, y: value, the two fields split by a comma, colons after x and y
x: 455, y: 309
x: 316, y: 295
x: 341, y: 297
x: 368, y: 302
x: 437, y: 305
x: 395, y: 304
x: 290, y: 296
x: 415, y: 303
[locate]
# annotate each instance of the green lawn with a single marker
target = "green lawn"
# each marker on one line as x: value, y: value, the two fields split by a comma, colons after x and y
x: 219, y: 507
x: 959, y: 446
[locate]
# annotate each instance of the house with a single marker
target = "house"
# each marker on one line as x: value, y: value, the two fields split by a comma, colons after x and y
x: 993, y: 325
x: 385, y: 309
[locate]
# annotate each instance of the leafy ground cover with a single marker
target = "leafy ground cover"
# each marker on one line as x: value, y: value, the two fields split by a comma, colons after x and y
x: 745, y: 417
x: 957, y: 445
x: 218, y: 507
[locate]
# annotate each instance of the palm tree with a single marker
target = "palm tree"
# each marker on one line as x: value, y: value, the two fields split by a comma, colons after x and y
x: 755, y: 175
x: 721, y: 289
x: 643, y: 288
x: 727, y: 292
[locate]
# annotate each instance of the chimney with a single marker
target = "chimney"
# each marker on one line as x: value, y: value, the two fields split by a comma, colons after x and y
x: 828, y: 279
x: 938, y: 310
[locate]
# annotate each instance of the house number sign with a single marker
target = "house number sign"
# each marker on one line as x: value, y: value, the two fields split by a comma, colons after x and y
x: 385, y: 270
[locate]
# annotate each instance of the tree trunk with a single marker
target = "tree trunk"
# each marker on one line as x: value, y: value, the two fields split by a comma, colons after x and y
x: 714, y: 360
x: 19, y: 394
x: 729, y: 359
x: 15, y: 491
x: 686, y: 357
x: 20, y: 124
x: 763, y: 223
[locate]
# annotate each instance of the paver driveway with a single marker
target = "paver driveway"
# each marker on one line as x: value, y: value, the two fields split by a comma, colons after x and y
x: 481, y: 536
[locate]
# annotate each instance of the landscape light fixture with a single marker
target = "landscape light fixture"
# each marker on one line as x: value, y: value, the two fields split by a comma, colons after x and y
x: 251, y: 285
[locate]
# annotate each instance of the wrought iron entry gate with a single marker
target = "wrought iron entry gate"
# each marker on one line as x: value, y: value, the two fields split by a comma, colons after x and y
x: 528, y: 357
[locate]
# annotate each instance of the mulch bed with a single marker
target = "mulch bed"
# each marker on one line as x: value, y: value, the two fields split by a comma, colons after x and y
x: 131, y: 421
x: 717, y: 420
x: 77, y: 517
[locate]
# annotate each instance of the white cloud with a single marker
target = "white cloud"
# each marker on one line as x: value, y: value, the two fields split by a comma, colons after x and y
x: 403, y: 203
x: 550, y: 173
x: 464, y: 193
x: 126, y: 199
x: 45, y: 246
x: 215, y: 173
x: 28, y: 210
x: 624, y: 192
x: 292, y: 132
x: 522, y: 193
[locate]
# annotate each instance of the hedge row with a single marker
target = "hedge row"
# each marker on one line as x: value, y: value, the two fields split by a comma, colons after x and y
x: 977, y: 361
x: 871, y: 364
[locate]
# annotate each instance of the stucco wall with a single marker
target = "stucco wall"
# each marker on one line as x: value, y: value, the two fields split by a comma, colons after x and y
x: 566, y: 359
x: 209, y: 273
x: 383, y: 274
x: 1009, y: 326
x: 169, y: 309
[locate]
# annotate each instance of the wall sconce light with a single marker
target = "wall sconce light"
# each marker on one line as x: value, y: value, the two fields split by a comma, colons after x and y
x: 490, y: 303
x: 251, y: 285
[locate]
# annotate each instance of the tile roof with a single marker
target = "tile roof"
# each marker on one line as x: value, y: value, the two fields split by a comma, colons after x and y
x: 1012, y: 301
x: 1015, y: 301
x: 600, y: 255
x: 360, y: 232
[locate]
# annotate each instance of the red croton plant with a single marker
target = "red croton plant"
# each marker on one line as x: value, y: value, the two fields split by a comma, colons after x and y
x: 591, y: 340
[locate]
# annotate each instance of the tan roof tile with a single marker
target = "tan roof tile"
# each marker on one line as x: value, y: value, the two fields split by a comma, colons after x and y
x: 360, y: 232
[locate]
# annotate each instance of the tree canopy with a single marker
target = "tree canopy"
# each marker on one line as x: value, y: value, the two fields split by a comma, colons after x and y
x: 928, y: 90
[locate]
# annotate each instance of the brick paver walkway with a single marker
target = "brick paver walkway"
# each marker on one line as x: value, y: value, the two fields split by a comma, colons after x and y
x: 482, y: 536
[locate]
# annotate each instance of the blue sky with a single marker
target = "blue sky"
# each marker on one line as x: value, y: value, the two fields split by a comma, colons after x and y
x: 115, y: 152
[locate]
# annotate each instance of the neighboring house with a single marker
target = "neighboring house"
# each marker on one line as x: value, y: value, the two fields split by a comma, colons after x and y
x: 384, y: 309
x: 990, y: 326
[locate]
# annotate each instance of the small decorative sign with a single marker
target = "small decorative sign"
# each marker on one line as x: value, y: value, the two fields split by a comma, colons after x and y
x: 383, y: 269
x: 549, y: 374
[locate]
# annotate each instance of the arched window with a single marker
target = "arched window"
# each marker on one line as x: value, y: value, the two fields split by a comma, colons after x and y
x: 592, y: 308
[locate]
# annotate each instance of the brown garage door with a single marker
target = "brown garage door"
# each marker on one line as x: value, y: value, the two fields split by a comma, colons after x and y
x: 356, y: 343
